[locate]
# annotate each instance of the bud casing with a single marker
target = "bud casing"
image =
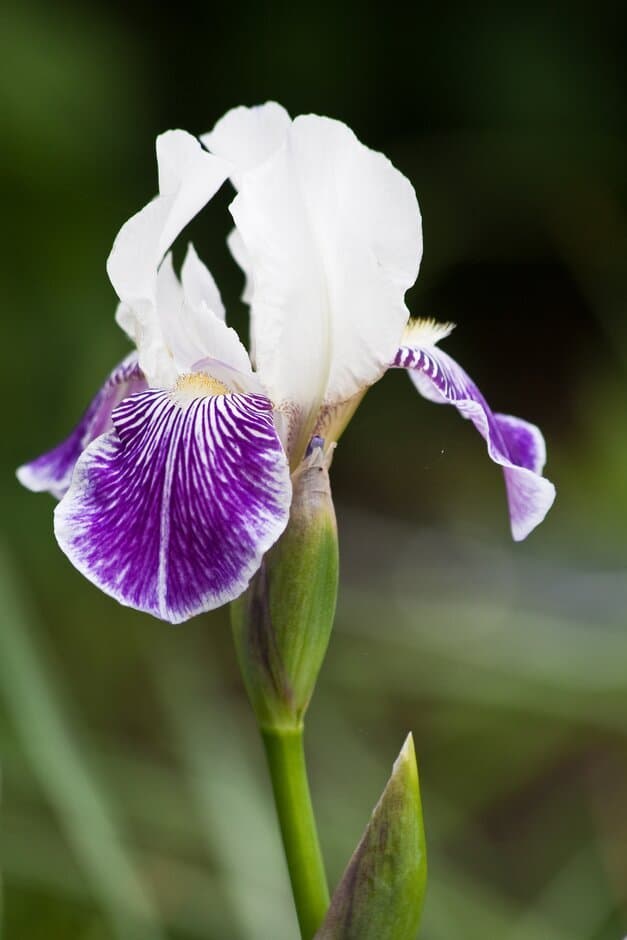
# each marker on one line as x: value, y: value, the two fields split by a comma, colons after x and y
x: 381, y: 894
x: 282, y: 623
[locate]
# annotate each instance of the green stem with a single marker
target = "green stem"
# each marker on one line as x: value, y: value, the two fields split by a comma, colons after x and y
x: 286, y: 760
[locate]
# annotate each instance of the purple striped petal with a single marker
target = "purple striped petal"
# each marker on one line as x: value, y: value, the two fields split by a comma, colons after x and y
x: 514, y: 444
x: 173, y: 510
x: 52, y: 471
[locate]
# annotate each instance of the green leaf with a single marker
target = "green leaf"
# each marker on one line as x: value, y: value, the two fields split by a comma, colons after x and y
x: 381, y: 894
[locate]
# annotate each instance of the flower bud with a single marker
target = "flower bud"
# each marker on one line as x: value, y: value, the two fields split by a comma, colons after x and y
x: 283, y: 621
x: 381, y: 893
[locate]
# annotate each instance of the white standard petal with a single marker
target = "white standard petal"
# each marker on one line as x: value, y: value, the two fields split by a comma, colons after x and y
x: 246, y: 137
x: 332, y: 234
x: 238, y: 250
x: 188, y: 178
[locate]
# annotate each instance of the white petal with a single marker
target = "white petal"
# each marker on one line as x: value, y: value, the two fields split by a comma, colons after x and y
x: 238, y: 250
x: 144, y: 329
x: 219, y: 341
x: 246, y: 137
x: 188, y: 178
x: 169, y: 293
x: 333, y: 235
x: 199, y: 286
x: 172, y: 327
x: 135, y: 256
x: 189, y: 329
x: 127, y: 320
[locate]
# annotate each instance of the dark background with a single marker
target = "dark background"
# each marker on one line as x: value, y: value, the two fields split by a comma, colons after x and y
x: 135, y: 801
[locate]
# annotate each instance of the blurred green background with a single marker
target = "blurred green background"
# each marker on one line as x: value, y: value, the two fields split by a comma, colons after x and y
x: 134, y: 797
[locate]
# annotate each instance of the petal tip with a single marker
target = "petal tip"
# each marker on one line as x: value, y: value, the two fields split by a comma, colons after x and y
x: 515, y: 445
x: 407, y: 755
x: 543, y: 496
x: 39, y: 482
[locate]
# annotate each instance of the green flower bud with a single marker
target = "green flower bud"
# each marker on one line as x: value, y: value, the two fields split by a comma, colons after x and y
x: 381, y: 894
x: 283, y: 621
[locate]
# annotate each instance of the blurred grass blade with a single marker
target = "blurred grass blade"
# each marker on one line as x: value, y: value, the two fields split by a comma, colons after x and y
x: 48, y: 741
x: 381, y: 894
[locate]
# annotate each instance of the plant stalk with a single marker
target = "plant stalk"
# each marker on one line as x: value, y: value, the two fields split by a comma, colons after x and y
x: 286, y: 761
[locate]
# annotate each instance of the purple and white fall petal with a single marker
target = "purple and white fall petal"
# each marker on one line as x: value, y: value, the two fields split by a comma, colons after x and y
x: 52, y: 471
x: 172, y: 511
x: 515, y: 445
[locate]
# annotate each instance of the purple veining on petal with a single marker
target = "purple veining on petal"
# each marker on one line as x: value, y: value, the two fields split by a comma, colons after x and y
x: 172, y: 511
x: 514, y: 444
x: 52, y: 471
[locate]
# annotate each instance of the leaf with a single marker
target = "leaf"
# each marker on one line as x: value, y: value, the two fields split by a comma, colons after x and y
x: 381, y: 894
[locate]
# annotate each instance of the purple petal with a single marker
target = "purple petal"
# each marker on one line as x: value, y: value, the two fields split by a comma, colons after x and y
x: 514, y: 444
x: 52, y: 471
x: 525, y: 442
x: 173, y: 510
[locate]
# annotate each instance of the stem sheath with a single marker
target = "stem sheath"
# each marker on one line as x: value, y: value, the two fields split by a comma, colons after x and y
x: 286, y: 760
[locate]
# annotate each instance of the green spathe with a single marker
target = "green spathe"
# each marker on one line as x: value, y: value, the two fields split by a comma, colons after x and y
x: 381, y: 894
x: 282, y: 623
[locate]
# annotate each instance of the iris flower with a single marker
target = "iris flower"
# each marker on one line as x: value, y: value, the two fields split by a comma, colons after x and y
x: 176, y: 480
